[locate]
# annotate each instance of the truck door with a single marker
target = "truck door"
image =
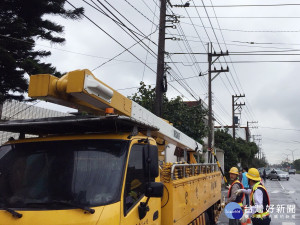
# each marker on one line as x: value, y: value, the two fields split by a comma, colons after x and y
x: 134, y: 191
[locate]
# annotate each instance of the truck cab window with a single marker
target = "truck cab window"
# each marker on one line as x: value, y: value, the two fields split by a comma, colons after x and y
x: 135, y: 181
x: 84, y: 172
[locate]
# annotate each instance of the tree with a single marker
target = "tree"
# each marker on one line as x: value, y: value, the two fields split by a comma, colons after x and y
x: 297, y: 164
x: 188, y: 119
x: 236, y: 151
x: 224, y: 141
x: 22, y: 22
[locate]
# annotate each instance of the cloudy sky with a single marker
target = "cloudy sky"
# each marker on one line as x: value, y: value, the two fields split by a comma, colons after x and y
x: 271, y: 88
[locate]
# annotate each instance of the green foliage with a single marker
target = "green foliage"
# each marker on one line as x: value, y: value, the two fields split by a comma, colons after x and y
x: 188, y: 119
x: 235, y: 152
x: 224, y: 141
x: 22, y: 22
x: 297, y: 164
x: 257, y: 163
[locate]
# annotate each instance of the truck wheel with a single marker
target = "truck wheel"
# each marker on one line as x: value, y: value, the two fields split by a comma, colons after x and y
x: 278, y: 178
x: 287, y: 179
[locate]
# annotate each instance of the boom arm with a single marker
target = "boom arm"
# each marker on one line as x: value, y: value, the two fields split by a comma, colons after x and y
x: 81, y: 90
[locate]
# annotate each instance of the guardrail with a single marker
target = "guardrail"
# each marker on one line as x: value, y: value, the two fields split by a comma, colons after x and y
x: 179, y: 171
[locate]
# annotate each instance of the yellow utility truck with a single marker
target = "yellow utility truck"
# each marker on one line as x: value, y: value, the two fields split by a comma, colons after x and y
x: 107, y: 166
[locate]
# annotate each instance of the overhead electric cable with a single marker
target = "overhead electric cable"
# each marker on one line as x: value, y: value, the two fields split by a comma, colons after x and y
x: 145, y: 46
x: 247, y: 31
x: 111, y: 37
x: 238, y: 5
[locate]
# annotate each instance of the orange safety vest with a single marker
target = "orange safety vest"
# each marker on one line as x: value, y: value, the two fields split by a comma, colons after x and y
x: 239, y: 199
x: 266, y: 200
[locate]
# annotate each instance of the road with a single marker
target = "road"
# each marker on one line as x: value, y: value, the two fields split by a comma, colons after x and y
x: 285, y: 201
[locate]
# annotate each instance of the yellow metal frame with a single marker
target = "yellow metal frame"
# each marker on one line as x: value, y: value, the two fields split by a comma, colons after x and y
x: 190, y: 197
x: 69, y: 91
x: 132, y: 216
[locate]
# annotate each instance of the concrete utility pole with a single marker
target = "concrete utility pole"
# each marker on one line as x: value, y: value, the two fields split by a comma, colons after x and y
x: 235, y: 106
x: 159, y: 89
x: 248, y: 129
x: 212, y: 54
x: 257, y: 138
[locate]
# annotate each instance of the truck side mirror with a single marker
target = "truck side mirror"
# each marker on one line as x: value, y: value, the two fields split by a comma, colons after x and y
x: 154, y: 189
x: 150, y: 161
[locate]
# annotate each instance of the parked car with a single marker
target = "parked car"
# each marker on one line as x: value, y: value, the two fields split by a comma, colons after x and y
x: 279, y: 175
x: 292, y: 171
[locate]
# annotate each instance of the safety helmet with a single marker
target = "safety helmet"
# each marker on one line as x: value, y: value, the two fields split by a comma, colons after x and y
x: 234, y: 170
x: 134, y: 184
x: 253, y: 174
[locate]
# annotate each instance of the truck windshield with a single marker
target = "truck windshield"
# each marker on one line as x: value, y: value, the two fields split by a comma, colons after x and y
x: 78, y: 172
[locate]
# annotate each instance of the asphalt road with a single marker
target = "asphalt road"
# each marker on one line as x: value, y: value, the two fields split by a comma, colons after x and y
x: 285, y: 201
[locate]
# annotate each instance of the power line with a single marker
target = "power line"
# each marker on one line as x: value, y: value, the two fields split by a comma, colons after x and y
x: 244, y: 17
x: 208, y: 38
x: 77, y: 53
x: 280, y: 128
x: 187, y: 78
x: 192, y: 56
x: 141, y: 12
x: 190, y: 49
x: 276, y: 140
x: 156, y: 5
x: 262, y: 61
x: 229, y: 6
x: 247, y: 54
x: 112, y: 38
x: 125, y: 50
x: 248, y: 31
x: 121, y: 25
x: 147, y: 53
x: 226, y: 48
x: 251, y: 45
x: 220, y: 45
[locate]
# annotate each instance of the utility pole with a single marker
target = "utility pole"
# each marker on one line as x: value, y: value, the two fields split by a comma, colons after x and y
x: 159, y: 89
x: 212, y: 54
x: 257, y: 138
x: 248, y: 129
x: 235, y: 106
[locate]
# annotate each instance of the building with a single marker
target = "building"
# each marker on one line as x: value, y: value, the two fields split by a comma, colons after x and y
x: 15, y: 110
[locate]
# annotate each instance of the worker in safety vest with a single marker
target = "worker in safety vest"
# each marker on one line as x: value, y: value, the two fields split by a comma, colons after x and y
x: 233, y: 188
x: 259, y: 200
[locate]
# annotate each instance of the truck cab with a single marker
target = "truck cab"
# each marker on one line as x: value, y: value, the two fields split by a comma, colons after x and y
x: 81, y: 179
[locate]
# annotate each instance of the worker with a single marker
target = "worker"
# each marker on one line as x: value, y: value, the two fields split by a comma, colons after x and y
x: 259, y: 200
x: 232, y: 196
x: 134, y: 193
x: 245, y: 183
x: 265, y: 175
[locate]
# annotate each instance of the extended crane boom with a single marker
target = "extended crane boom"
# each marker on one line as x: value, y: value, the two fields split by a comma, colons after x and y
x: 81, y: 90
